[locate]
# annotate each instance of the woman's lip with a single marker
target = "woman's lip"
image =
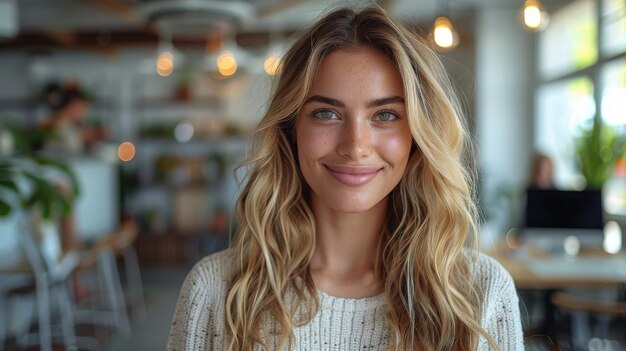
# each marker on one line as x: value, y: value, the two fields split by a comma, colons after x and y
x: 353, y: 170
x: 353, y: 176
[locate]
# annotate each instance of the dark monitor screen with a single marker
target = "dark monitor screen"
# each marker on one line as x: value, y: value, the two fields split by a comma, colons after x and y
x: 563, y: 209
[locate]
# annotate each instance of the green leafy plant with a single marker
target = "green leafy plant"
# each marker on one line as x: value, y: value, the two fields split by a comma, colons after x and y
x: 27, y: 140
x: 8, y: 184
x: 598, y: 149
x: 44, y: 194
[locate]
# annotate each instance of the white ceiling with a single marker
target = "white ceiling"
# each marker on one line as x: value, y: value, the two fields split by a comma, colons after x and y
x: 36, y: 15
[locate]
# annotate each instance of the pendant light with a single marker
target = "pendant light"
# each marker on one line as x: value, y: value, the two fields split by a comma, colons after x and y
x: 534, y: 15
x: 228, y: 59
x: 274, y: 54
x: 444, y: 33
x: 167, y: 55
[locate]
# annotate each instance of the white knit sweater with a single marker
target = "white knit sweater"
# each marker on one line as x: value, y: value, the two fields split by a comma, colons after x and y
x: 341, y: 323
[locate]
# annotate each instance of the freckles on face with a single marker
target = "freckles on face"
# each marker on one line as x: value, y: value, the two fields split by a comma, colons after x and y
x: 352, y: 132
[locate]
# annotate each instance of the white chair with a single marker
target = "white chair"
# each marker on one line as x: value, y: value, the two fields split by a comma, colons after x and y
x: 46, y: 279
x: 122, y: 243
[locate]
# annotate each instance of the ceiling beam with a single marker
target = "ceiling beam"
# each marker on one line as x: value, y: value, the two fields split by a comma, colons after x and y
x: 104, y: 40
x: 120, y: 8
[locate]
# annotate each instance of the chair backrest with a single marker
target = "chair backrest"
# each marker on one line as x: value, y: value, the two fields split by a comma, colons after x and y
x: 41, y: 243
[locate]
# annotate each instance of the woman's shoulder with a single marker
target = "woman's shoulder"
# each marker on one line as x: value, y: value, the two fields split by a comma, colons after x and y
x: 493, y: 279
x: 214, y: 268
x: 500, y: 304
x: 200, y: 304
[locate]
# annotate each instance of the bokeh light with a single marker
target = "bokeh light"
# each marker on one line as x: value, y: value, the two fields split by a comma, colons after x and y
x: 165, y: 64
x: 126, y: 151
x: 226, y: 63
x: 271, y: 64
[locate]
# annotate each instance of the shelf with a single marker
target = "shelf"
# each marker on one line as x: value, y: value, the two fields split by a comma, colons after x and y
x: 170, y: 187
x: 170, y: 103
x: 17, y: 103
x: 29, y: 104
x: 220, y: 142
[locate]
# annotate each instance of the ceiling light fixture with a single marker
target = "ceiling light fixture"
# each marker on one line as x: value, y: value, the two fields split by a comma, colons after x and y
x: 167, y: 55
x: 226, y: 63
x: 443, y: 33
x: 534, y: 15
x: 275, y: 53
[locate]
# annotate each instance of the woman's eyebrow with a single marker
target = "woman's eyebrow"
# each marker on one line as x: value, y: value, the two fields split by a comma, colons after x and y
x: 325, y: 100
x: 385, y: 101
x: 374, y: 103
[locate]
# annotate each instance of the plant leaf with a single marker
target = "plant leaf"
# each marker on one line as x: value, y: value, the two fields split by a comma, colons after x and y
x: 5, y: 208
x: 9, y: 184
x: 65, y: 169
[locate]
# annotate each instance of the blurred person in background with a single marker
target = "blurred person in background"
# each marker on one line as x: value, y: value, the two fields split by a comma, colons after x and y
x: 541, y: 175
x: 65, y: 126
x: 65, y: 132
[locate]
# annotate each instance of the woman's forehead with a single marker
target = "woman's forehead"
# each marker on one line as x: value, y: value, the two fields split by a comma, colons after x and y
x: 360, y: 71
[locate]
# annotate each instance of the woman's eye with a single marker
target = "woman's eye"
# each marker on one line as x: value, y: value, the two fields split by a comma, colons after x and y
x: 386, y: 116
x: 324, y: 114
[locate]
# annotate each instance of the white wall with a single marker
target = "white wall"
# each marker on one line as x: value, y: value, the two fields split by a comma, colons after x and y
x: 504, y: 105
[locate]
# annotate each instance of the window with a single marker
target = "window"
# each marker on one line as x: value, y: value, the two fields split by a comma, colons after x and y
x: 582, y: 76
x: 613, y: 27
x: 569, y: 43
x: 614, y: 94
x: 567, y: 106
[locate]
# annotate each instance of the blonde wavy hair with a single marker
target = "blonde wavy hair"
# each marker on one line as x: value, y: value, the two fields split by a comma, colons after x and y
x: 432, y: 298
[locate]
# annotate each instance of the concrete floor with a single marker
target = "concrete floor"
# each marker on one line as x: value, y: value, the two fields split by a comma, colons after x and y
x: 161, y: 288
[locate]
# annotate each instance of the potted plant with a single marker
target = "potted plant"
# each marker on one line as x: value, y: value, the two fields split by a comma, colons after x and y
x: 184, y: 90
x: 45, y: 196
x: 598, y: 149
x: 41, y: 193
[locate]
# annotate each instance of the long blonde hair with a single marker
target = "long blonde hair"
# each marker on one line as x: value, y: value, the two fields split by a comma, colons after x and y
x: 433, y: 301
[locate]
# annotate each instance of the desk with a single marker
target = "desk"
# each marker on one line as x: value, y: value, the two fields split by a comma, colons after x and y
x: 534, y: 269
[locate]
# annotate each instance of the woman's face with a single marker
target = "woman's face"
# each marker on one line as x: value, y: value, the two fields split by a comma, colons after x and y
x: 352, y: 132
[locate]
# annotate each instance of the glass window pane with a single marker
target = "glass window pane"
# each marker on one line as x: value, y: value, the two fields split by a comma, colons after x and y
x: 614, y: 94
x: 613, y: 27
x: 563, y: 108
x: 570, y: 41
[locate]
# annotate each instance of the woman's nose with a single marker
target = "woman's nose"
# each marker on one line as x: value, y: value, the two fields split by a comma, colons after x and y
x: 355, y: 142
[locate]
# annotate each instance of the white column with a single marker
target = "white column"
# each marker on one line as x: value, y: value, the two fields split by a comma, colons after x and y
x: 504, y: 106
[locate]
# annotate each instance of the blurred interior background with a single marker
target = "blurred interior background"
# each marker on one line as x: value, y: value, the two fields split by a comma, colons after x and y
x: 121, y: 122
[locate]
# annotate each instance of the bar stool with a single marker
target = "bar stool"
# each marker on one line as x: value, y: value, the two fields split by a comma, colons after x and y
x: 583, y: 334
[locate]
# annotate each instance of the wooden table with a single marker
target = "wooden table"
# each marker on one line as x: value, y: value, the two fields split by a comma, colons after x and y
x: 521, y: 262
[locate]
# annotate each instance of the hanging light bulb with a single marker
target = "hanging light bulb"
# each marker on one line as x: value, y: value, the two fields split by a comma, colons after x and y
x: 271, y: 65
x: 167, y: 56
x: 445, y: 34
x: 165, y: 64
x: 275, y: 52
x: 226, y: 63
x: 534, y: 15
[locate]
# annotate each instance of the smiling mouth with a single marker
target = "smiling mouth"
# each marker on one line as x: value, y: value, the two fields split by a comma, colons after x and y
x: 353, y: 175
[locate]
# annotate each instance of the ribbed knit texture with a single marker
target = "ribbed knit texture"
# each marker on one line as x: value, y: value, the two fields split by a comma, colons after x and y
x: 341, y: 323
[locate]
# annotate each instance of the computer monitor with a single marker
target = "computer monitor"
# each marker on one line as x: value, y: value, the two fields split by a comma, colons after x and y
x: 552, y: 215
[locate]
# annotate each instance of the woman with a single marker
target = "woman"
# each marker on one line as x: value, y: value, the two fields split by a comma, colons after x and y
x: 356, y: 212
x: 541, y: 172
x: 65, y: 126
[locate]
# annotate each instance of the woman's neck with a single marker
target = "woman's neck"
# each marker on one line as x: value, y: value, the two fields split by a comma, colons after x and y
x: 345, y: 260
